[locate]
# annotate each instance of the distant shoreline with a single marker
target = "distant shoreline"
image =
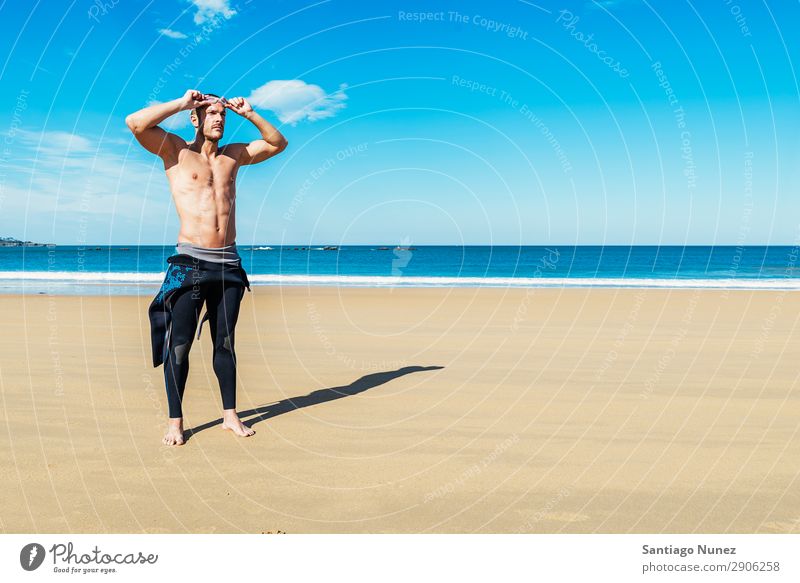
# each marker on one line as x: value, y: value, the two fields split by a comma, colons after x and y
x: 11, y: 242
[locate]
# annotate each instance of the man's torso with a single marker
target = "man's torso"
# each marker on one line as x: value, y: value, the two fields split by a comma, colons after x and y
x: 204, y: 192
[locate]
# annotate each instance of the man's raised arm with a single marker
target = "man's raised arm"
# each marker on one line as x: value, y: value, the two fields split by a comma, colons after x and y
x: 272, y: 142
x: 144, y: 123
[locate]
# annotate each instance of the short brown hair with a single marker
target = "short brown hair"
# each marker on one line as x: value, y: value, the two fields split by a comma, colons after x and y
x: 194, y: 111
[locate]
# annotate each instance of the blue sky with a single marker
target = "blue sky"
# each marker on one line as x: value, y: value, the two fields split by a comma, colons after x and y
x: 574, y: 122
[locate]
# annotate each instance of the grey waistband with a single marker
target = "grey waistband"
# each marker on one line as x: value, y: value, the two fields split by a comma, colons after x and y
x: 228, y: 254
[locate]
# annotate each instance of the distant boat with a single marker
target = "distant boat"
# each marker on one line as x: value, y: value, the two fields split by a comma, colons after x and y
x: 382, y: 248
x: 398, y: 248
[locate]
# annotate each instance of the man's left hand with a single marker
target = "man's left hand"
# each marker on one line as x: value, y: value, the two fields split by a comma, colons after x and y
x: 239, y: 105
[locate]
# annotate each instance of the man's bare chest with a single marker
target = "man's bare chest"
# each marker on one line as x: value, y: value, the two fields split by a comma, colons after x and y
x: 195, y: 169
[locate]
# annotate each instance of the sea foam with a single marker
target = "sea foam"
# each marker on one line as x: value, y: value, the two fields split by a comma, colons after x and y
x: 155, y: 278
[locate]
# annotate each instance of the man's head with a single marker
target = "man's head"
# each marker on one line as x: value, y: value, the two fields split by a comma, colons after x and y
x: 210, y: 119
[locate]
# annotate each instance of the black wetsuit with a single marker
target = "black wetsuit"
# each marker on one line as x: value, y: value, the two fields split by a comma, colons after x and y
x: 174, y: 314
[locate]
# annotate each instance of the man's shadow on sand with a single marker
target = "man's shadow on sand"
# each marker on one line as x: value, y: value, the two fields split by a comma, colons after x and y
x: 317, y: 397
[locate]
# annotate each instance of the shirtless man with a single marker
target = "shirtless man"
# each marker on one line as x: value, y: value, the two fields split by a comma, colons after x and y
x: 202, y: 178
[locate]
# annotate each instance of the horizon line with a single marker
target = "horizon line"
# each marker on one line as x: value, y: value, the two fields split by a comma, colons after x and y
x: 394, y: 245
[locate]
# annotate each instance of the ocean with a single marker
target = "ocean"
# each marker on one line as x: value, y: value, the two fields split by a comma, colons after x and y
x: 139, y: 270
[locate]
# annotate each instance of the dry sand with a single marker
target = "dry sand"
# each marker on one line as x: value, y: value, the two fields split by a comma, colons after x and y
x: 414, y: 410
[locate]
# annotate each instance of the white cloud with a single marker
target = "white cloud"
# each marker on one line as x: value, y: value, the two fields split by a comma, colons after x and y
x: 212, y: 10
x: 54, y: 141
x: 73, y: 142
x: 59, y: 184
x: 294, y: 100
x: 172, y: 33
x: 56, y: 162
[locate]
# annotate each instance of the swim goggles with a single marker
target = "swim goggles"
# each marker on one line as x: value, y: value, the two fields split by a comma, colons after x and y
x: 221, y: 100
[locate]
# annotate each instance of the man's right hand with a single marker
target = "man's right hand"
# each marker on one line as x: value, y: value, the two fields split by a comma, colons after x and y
x: 193, y: 98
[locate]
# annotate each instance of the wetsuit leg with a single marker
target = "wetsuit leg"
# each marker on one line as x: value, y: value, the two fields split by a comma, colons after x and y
x: 223, y: 312
x: 186, y: 306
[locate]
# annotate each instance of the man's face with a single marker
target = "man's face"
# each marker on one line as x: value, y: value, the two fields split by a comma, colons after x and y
x: 212, y: 121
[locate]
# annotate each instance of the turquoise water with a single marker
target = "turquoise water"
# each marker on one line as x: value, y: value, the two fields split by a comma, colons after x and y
x: 140, y: 269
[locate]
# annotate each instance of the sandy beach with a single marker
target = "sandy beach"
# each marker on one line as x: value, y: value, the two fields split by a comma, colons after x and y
x: 410, y: 411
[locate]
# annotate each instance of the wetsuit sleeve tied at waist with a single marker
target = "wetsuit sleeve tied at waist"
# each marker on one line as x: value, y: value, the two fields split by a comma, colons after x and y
x: 184, y: 272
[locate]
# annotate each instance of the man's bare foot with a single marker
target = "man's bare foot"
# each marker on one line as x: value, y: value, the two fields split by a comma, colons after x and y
x: 174, y: 434
x: 231, y: 421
